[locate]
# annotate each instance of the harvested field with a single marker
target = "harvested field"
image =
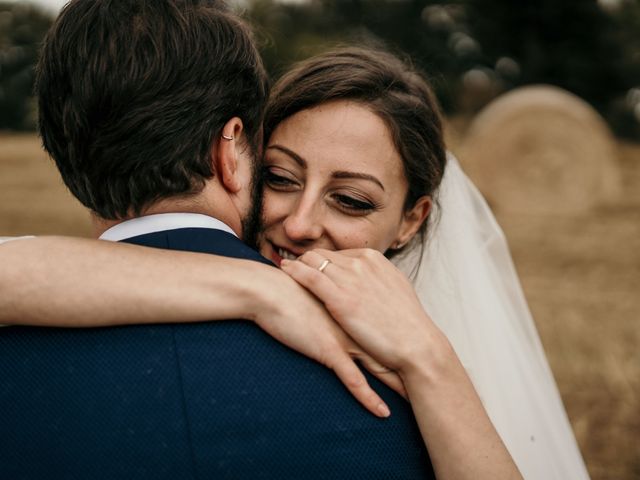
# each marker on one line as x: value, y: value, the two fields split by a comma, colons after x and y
x: 581, y: 276
x: 580, y: 272
x: 33, y: 198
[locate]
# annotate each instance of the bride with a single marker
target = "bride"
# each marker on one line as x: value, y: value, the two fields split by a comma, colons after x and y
x: 327, y: 229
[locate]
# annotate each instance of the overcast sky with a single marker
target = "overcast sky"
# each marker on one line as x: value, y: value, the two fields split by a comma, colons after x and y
x: 51, y: 5
x: 56, y: 5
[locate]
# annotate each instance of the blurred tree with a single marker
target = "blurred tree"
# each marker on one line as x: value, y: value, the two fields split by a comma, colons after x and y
x: 574, y: 44
x: 22, y: 28
x: 474, y: 50
x: 624, y: 112
x: 292, y: 31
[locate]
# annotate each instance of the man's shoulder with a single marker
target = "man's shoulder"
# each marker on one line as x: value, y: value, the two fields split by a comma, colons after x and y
x: 200, y: 240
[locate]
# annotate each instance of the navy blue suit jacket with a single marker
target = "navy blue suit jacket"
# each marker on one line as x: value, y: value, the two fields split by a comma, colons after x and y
x: 189, y: 401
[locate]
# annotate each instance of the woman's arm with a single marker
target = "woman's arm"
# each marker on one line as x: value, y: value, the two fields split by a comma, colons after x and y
x: 73, y: 282
x: 377, y: 306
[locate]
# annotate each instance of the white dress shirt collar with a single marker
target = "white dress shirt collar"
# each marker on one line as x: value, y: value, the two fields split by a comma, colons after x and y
x: 161, y: 222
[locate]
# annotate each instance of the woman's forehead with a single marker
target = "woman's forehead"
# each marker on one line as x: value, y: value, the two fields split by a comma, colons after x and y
x: 340, y: 132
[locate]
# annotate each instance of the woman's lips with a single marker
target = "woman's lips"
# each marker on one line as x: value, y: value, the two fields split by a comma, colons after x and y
x: 275, y: 258
x: 284, y: 253
x: 280, y: 253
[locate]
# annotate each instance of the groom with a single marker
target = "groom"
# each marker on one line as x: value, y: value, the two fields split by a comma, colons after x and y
x: 152, y: 112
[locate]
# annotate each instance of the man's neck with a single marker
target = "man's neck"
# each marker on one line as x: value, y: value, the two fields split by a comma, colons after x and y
x: 192, y: 204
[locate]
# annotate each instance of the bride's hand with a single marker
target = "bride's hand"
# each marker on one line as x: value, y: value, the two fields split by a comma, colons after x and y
x: 377, y: 306
x: 297, y: 319
x: 372, y: 300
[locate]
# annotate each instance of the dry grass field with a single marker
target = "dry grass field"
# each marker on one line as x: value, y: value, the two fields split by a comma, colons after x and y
x: 33, y: 198
x: 581, y: 275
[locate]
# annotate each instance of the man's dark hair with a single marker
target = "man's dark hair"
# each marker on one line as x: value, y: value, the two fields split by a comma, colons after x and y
x: 133, y: 93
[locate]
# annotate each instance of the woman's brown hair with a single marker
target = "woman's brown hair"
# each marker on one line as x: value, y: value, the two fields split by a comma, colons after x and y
x: 387, y: 86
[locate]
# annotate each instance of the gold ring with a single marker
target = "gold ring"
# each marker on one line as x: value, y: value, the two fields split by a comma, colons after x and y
x: 324, y: 265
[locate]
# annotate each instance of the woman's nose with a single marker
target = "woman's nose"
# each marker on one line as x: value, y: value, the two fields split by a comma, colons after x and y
x: 304, y: 223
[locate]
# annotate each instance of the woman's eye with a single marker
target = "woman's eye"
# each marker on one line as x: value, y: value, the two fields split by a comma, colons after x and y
x: 277, y: 181
x: 354, y: 204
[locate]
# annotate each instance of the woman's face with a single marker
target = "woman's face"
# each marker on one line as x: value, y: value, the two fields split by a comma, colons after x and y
x: 334, y: 180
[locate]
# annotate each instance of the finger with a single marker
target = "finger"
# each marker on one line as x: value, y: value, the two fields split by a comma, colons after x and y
x: 394, y: 382
x: 390, y: 378
x: 355, y: 381
x: 328, y: 263
x: 335, y: 257
x: 321, y: 285
x: 340, y: 257
x: 320, y: 262
x: 360, y: 261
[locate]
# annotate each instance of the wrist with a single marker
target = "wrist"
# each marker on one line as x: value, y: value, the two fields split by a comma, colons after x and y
x: 429, y: 366
x: 237, y: 288
x: 265, y: 291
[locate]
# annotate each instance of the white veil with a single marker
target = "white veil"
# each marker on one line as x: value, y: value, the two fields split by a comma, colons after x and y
x: 469, y: 286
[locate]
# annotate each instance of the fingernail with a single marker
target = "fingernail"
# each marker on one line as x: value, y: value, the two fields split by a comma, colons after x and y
x: 284, y: 262
x: 384, y: 410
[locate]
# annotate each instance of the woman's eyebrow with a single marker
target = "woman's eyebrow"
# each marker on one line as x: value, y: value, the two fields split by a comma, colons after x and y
x: 362, y: 176
x: 339, y: 174
x: 298, y: 159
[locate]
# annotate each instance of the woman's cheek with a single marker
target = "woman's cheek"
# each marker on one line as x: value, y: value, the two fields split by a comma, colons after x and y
x: 348, y: 233
x: 269, y: 209
x: 356, y: 233
x: 277, y: 206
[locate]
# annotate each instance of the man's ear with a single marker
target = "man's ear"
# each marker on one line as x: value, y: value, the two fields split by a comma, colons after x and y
x: 412, y: 221
x: 225, y: 154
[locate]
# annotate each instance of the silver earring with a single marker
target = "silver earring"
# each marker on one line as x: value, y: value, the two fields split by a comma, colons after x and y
x: 227, y: 137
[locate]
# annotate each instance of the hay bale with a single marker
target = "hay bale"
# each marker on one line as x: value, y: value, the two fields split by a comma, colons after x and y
x: 541, y: 150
